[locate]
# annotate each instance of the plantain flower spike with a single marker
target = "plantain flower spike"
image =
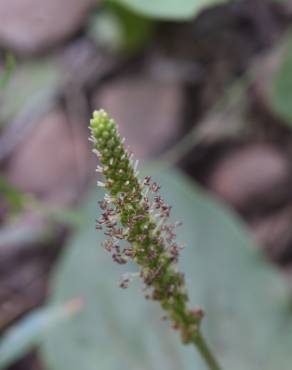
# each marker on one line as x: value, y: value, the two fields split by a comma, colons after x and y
x: 133, y: 211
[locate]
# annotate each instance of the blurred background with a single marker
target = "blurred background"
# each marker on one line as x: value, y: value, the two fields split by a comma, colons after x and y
x: 201, y: 86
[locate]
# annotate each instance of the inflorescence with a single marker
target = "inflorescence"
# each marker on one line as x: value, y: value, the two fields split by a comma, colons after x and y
x: 133, y: 211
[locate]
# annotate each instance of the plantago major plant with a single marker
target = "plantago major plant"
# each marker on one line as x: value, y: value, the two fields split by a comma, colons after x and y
x: 133, y: 211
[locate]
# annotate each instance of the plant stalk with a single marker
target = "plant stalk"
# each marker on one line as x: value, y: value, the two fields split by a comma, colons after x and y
x: 152, y: 243
x: 203, y: 348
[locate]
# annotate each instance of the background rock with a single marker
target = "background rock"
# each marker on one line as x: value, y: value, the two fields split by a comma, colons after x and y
x: 54, y: 163
x: 32, y: 25
x: 148, y: 112
x: 253, y: 174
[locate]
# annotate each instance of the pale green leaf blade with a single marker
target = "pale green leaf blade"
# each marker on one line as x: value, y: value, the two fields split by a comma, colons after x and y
x: 247, y: 319
x: 168, y: 9
x: 30, y: 330
x: 281, y: 94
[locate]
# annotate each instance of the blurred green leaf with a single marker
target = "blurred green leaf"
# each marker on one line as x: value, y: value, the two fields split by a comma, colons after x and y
x: 281, y: 96
x: 30, y: 330
x: 10, y: 64
x: 247, y: 322
x: 29, y: 83
x: 119, y: 29
x: 15, y: 198
x: 168, y: 9
x: 71, y: 217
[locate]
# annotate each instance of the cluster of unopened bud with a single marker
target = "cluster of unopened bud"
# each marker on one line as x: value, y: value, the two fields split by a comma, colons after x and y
x: 133, y: 211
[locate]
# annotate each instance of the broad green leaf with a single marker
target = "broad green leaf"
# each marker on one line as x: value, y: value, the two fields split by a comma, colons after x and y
x: 247, y: 323
x: 119, y: 29
x: 168, y: 9
x: 281, y: 96
x: 28, y: 333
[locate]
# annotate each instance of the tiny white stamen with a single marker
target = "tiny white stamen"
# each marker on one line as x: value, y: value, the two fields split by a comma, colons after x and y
x: 146, y: 189
x: 159, y: 224
x: 101, y: 184
x: 136, y: 165
x: 99, y: 169
x: 96, y: 152
x: 114, y: 218
x: 92, y: 139
x: 108, y: 198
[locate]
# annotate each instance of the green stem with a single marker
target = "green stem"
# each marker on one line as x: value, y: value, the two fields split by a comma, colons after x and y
x: 206, y: 353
